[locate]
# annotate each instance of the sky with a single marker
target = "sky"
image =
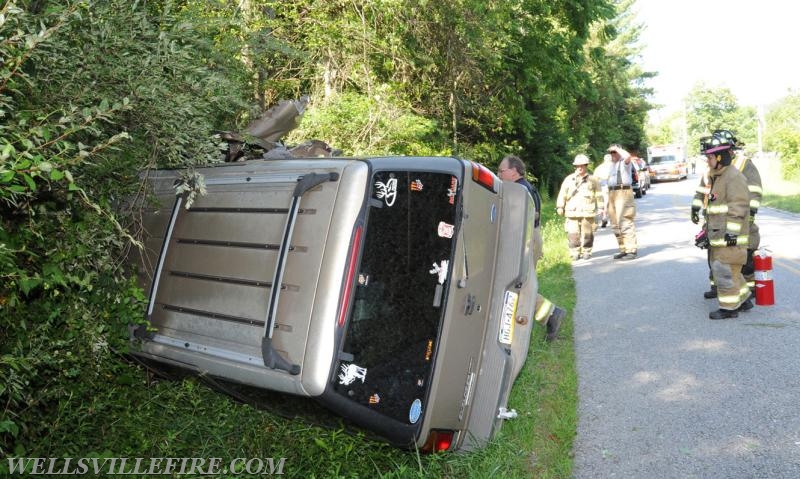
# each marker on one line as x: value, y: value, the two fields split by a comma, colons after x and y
x: 748, y: 46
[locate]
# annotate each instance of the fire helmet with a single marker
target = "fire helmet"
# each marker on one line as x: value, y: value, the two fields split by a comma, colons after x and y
x: 581, y: 160
x: 729, y: 135
x: 720, y: 145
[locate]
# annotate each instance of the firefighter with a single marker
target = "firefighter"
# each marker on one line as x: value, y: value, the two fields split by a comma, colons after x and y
x: 621, y: 207
x: 727, y: 227
x: 578, y: 200
x: 546, y: 313
x: 750, y: 172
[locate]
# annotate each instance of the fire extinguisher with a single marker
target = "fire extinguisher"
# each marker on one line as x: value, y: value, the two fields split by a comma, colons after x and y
x: 765, y: 288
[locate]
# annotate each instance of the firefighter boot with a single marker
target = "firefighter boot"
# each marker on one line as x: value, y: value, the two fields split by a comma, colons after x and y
x: 723, y: 314
x: 711, y: 293
x: 554, y: 323
x: 746, y: 306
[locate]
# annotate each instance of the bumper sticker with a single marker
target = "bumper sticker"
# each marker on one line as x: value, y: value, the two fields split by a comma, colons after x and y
x: 441, y: 270
x: 451, y: 192
x: 416, y: 185
x: 445, y: 230
x: 350, y: 372
x: 415, y: 411
x: 386, y: 191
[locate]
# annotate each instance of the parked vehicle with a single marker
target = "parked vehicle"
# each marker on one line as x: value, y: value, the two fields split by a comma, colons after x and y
x: 667, y: 162
x: 642, y: 181
x: 397, y: 291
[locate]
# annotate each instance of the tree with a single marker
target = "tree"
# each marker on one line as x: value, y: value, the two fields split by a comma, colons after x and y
x: 783, y: 133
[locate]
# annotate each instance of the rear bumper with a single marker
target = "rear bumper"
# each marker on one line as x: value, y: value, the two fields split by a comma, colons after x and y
x: 501, y: 362
x: 667, y: 176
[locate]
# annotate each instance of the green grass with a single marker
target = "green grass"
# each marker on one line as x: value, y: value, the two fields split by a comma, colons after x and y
x: 132, y: 414
x: 782, y: 202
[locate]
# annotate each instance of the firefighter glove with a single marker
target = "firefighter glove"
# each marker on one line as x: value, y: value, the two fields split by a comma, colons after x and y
x: 695, y: 215
x: 701, y: 239
x: 730, y: 239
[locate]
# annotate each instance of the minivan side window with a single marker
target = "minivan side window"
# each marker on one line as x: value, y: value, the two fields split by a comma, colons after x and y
x: 391, y: 334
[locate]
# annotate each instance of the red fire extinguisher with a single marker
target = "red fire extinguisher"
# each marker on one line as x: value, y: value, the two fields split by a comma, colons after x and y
x: 765, y: 289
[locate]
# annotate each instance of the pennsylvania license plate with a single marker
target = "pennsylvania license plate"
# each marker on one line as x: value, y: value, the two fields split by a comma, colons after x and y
x: 507, y: 317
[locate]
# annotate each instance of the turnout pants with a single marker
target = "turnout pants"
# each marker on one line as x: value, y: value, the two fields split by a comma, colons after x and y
x: 580, y: 234
x: 748, y: 269
x: 621, y: 212
x: 726, y: 266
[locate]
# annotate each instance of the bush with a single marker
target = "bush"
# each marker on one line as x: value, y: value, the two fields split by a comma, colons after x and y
x: 90, y: 92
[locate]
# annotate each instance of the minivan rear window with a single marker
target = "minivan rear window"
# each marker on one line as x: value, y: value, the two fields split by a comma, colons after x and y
x: 391, y: 334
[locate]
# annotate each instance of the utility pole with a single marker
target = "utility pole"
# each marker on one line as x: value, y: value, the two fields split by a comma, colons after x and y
x: 761, y: 128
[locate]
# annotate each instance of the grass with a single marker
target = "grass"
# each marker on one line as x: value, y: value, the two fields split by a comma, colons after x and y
x: 786, y: 202
x: 780, y: 193
x: 132, y: 414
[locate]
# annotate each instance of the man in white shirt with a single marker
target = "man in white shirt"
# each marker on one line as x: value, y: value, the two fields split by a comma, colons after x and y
x: 621, y: 205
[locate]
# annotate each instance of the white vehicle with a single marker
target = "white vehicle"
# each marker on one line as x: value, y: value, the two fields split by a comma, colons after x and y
x: 667, y: 162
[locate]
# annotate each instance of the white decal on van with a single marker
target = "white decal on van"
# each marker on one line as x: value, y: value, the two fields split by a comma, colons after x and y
x: 416, y: 185
x: 387, y: 191
x: 351, y: 372
x: 441, y: 270
x: 445, y: 230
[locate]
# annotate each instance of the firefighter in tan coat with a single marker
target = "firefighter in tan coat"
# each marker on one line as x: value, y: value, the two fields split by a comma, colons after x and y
x: 579, y: 200
x: 727, y: 227
x: 750, y: 172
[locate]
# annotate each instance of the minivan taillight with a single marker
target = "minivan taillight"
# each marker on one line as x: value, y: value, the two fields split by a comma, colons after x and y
x: 484, y: 177
x: 438, y: 440
x: 352, y: 263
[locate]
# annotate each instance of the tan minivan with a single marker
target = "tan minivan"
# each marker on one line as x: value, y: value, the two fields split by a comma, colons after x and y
x: 397, y: 291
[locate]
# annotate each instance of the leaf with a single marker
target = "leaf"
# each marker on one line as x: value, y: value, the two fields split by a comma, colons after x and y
x: 10, y: 427
x: 29, y: 284
x: 53, y: 274
x: 29, y: 181
x: 56, y: 175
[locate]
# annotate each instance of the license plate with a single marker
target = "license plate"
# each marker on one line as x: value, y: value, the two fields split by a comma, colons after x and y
x: 507, y: 317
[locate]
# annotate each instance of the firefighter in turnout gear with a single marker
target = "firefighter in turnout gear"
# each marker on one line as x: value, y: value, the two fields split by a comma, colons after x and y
x: 727, y: 227
x: 546, y: 313
x: 750, y: 172
x: 578, y: 200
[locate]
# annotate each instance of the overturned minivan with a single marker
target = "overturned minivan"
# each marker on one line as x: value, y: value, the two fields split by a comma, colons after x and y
x: 397, y: 291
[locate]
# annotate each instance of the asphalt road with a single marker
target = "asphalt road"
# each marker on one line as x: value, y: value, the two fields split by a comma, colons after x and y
x: 664, y: 392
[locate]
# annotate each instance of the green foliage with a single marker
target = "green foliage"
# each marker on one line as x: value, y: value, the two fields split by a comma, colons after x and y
x: 783, y: 133
x: 90, y: 92
x: 376, y: 125
x: 716, y: 108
